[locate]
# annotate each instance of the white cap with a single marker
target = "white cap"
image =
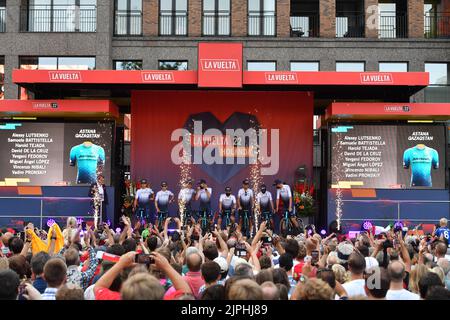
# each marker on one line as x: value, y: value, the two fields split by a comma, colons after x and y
x: 371, y: 262
x: 222, y: 262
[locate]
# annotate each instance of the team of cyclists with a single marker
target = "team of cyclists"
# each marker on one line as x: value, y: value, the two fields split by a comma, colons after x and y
x: 243, y: 205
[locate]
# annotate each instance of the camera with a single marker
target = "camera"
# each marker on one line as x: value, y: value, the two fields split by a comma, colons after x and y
x: 266, y: 240
x: 388, y: 244
x: 314, y: 257
x: 240, y: 250
x: 144, y: 259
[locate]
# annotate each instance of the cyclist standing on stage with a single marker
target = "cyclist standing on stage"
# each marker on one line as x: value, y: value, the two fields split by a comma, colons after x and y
x: 285, y: 195
x: 203, y: 195
x: 185, y: 198
x: 162, y: 200
x: 142, y: 201
x: 227, y: 206
x: 265, y: 206
x: 244, y: 203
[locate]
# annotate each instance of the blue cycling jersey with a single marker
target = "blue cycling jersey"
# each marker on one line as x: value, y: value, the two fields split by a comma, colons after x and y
x: 442, y: 231
x: 421, y: 160
x: 87, y: 157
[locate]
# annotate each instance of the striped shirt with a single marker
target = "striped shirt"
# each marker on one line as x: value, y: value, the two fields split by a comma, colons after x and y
x: 49, y: 294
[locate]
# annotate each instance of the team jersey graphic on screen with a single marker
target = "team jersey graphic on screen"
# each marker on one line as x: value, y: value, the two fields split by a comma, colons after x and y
x: 87, y: 156
x: 421, y: 159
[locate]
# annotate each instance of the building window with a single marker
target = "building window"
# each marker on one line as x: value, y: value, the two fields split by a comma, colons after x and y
x: 59, y: 16
x: 304, y: 18
x: 128, y: 65
x: 173, y: 17
x: 436, y: 21
x: 350, y: 66
x: 128, y: 18
x: 304, y: 66
x: 261, y: 65
x: 54, y: 63
x: 439, y: 88
x: 216, y: 17
x: 2, y: 15
x: 392, y: 19
x: 261, y: 18
x: 350, y: 19
x: 2, y: 78
x: 180, y: 65
x: 393, y: 67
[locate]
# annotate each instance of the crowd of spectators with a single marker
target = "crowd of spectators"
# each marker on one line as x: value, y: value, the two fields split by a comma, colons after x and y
x: 142, y: 263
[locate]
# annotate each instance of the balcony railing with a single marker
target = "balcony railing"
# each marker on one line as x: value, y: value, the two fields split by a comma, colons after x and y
x: 437, y: 25
x: 305, y: 24
x: 350, y: 25
x: 392, y: 25
x: 46, y: 18
x: 2, y: 19
x: 262, y: 23
x: 173, y: 23
x: 216, y: 23
x: 128, y: 23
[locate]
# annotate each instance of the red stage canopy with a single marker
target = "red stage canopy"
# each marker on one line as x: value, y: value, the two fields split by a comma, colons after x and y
x: 319, y: 78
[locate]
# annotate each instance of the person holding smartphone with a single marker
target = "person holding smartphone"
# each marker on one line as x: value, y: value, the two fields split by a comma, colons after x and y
x: 162, y: 200
x: 244, y: 203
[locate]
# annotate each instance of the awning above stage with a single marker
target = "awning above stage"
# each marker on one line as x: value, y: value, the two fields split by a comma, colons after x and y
x: 386, y: 111
x: 58, y: 108
x: 325, y: 85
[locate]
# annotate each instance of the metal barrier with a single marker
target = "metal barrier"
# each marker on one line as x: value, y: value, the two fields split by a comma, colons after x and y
x: 261, y: 23
x: 173, y: 23
x: 392, y: 25
x: 127, y: 23
x: 46, y: 18
x: 216, y: 23
x: 437, y: 25
x: 350, y: 25
x: 305, y: 24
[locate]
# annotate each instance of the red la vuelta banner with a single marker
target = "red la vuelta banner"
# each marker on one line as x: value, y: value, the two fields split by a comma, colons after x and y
x: 220, y: 65
x: 281, y: 77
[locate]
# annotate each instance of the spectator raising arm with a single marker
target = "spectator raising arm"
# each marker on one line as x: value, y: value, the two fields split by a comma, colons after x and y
x: 106, y: 280
x: 176, y: 279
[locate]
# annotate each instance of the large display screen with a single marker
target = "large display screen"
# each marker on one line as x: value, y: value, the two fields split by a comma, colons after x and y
x: 388, y: 156
x: 48, y: 154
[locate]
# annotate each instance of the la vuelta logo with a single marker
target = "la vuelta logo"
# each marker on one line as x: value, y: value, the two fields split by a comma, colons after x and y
x: 377, y: 78
x: 69, y: 76
x: 218, y: 65
x: 222, y: 149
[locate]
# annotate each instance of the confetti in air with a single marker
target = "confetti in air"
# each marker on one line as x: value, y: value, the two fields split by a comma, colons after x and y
x: 185, y: 174
x: 255, y: 173
x: 338, y: 153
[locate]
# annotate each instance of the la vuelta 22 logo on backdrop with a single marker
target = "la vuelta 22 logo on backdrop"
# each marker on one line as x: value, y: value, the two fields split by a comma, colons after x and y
x: 223, y: 149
